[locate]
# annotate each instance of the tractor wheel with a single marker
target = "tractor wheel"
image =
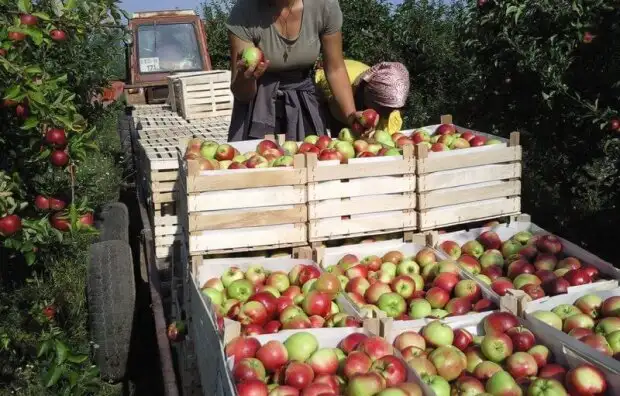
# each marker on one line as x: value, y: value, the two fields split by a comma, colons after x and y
x: 111, y: 293
x: 113, y: 222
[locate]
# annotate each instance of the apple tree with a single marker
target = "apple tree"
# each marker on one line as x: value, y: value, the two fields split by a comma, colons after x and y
x: 553, y: 72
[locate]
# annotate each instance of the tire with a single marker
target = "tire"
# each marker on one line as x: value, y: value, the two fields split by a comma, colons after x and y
x: 111, y: 293
x: 113, y: 223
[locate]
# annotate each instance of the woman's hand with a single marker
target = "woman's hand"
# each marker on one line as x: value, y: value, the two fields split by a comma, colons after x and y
x: 355, y: 122
x: 252, y: 72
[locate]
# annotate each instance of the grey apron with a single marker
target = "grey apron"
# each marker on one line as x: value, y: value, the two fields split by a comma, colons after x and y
x: 285, y: 103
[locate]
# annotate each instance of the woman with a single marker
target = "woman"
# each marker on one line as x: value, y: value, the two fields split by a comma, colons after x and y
x: 383, y: 87
x: 278, y: 95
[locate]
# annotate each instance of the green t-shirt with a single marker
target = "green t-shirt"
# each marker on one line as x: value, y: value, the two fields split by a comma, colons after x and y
x: 252, y: 21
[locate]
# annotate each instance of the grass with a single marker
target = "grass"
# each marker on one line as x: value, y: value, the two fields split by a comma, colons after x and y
x: 61, y: 281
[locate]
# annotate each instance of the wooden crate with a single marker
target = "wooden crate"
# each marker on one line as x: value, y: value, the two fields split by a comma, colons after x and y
x: 243, y: 209
x: 466, y: 185
x: 173, y: 87
x: 215, y: 128
x: 203, y: 96
x: 367, y: 196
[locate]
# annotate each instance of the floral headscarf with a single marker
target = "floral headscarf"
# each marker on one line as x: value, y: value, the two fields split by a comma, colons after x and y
x: 387, y: 84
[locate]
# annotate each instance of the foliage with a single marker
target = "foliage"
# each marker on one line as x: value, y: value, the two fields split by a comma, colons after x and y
x: 215, y: 13
x: 54, y: 56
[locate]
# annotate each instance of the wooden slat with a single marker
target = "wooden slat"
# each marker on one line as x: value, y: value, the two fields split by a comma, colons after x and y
x: 361, y: 187
x: 242, y: 239
x: 328, y: 228
x: 246, y: 198
x: 228, y: 180
x: 360, y: 205
x: 466, y: 213
x: 248, y: 218
x: 466, y: 176
x: 465, y: 158
x: 469, y: 193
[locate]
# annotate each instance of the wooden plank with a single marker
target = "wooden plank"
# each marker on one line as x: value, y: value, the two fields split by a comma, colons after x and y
x: 246, y: 198
x: 262, y: 216
x: 361, y: 187
x: 466, y: 213
x: 461, y: 177
x: 469, y: 193
x: 245, y: 238
x: 360, y: 205
x: 465, y: 158
x: 337, y: 227
x: 242, y: 179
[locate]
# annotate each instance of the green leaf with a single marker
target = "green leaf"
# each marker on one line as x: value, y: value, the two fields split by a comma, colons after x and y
x: 13, y: 92
x: 43, y: 348
x: 30, y: 258
x: 61, y: 352
x: 33, y: 70
x: 70, y: 4
x: 35, y: 34
x: 77, y: 358
x: 53, y: 375
x: 30, y: 123
x: 36, y: 96
x: 42, y: 15
x: 24, y: 6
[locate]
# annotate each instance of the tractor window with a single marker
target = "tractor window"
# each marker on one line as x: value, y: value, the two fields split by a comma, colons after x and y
x: 168, y: 48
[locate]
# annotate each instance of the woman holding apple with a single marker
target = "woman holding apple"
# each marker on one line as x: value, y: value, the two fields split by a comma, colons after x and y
x: 273, y: 88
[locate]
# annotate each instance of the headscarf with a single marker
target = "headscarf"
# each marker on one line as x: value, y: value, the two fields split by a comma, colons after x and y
x: 387, y: 84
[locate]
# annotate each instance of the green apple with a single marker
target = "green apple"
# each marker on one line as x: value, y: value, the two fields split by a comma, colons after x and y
x: 208, y: 149
x: 614, y: 341
x: 438, y: 333
x: 419, y: 308
x: 390, y: 268
x: 308, y: 286
x: 549, y: 318
x: 256, y: 274
x: 231, y: 275
x: 439, y: 313
x: 393, y: 304
x: 241, y: 290
x: 546, y: 387
x: 312, y: 139
x: 301, y: 346
x: 502, y: 383
x: 440, y: 386
x: 565, y: 310
x: 496, y: 348
x: 216, y: 296
x: 408, y: 267
x: 272, y: 290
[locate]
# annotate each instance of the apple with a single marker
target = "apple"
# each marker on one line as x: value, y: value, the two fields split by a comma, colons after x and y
x: 474, y: 357
x: 407, y: 267
x: 611, y: 306
x: 393, y: 304
x: 484, y: 305
x: 307, y: 273
x: 437, y: 297
x: 586, y: 379
x: 324, y: 361
x: 522, y: 338
x: 391, y: 368
x: 242, y: 347
x: 447, y: 266
x: 598, y: 342
x: 519, y: 267
x: 558, y: 286
x: 549, y: 318
x: 451, y: 248
x: 448, y: 361
x: 437, y: 333
x: 579, y: 333
x: 491, y: 258
x: 375, y: 347
x: 534, y: 291
x: 496, y: 347
x: 607, y: 325
x: 367, y: 384
x: 375, y: 291
x: 425, y: 257
x: 216, y: 296
x: 269, y: 302
x: 549, y: 244
x: 521, y: 364
x: 359, y: 285
x: 403, y: 285
x: 271, y: 327
x: 499, y: 322
x: 502, y: 383
x: 446, y: 281
x: 462, y: 339
x: 419, y: 308
x: 255, y: 388
x: 501, y: 286
x: 458, y: 306
x: 249, y: 369
x: 579, y: 320
x: 301, y: 346
x: 409, y: 339
x: 552, y: 371
x: 231, y: 275
x: 438, y: 384
x: 540, y: 353
x: 486, y: 370
x: 298, y: 375
x: 577, y: 277
x: 329, y: 284
x: 468, y: 289
x: 214, y: 283
x: 470, y: 264
x: 372, y: 262
x: 473, y: 248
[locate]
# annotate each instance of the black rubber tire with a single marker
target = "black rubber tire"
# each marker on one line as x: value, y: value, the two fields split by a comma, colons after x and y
x: 113, y: 222
x: 111, y: 292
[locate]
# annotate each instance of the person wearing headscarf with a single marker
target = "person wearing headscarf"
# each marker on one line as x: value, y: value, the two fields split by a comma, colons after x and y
x: 383, y: 87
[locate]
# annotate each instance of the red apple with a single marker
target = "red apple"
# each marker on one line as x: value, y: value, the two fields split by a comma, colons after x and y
x: 255, y: 388
x: 577, y: 277
x: 522, y: 338
x: 462, y: 339
x: 501, y: 286
x: 458, y: 306
x: 521, y: 364
x: 273, y: 355
x: 249, y: 369
x: 242, y: 347
x: 409, y: 339
x: 437, y: 297
x: 269, y: 301
x: 253, y: 312
x: 586, y: 380
x: 499, y: 322
x: 446, y: 281
x: 549, y: 244
x: 350, y: 342
x: 323, y: 361
x: 298, y: 375
x: 356, y: 363
x: 391, y: 368
x: 375, y: 347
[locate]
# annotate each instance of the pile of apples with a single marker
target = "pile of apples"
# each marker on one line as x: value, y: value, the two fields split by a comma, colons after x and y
x: 265, y: 302
x: 590, y: 319
x: 504, y: 361
x: 361, y: 365
x: 409, y: 287
x: 534, y: 264
x: 446, y: 138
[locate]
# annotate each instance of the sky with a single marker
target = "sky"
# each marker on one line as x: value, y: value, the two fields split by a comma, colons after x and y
x: 157, y: 5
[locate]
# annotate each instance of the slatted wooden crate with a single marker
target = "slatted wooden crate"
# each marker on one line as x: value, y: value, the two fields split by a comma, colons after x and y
x: 203, y: 96
x: 367, y: 196
x: 244, y: 209
x: 466, y: 185
x: 174, y: 87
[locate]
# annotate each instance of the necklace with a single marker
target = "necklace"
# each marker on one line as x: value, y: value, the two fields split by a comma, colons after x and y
x: 284, y: 27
